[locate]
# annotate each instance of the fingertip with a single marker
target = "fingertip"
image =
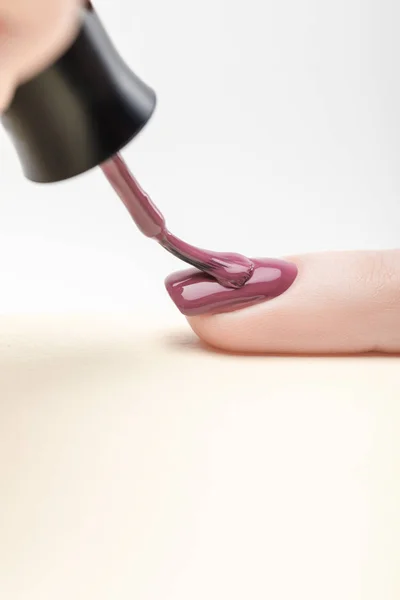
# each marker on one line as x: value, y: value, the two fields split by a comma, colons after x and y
x: 342, y: 302
x: 249, y: 328
x: 210, y: 329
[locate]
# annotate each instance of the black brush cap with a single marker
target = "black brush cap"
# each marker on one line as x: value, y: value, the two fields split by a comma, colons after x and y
x: 80, y: 111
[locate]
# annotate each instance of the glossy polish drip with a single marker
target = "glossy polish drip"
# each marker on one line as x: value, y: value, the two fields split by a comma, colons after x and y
x: 229, y: 269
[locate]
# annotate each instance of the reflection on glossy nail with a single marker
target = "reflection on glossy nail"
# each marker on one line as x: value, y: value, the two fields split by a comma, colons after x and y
x: 195, y: 293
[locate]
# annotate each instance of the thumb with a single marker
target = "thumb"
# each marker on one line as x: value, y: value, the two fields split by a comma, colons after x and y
x: 342, y: 302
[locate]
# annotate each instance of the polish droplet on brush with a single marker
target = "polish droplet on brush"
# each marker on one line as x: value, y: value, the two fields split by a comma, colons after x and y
x: 229, y: 269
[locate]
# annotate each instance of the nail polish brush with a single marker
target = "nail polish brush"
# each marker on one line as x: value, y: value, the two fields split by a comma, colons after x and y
x: 79, y: 114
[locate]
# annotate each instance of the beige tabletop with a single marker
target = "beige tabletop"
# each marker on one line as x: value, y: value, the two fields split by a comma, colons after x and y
x: 137, y: 464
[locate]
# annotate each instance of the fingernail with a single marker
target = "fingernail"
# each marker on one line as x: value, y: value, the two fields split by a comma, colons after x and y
x: 195, y: 293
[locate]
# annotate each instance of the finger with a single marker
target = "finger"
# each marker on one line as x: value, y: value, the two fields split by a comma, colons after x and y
x: 345, y: 302
x: 32, y: 34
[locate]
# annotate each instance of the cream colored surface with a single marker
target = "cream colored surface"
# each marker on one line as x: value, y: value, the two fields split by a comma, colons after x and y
x: 136, y: 464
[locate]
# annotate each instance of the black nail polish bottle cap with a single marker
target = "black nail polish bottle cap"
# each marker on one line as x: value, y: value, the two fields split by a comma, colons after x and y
x: 80, y: 111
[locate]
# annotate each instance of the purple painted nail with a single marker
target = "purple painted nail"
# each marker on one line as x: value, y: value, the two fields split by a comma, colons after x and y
x: 195, y: 293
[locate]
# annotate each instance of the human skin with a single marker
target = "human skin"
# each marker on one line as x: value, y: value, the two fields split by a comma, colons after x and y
x: 340, y: 302
x: 344, y: 302
x: 32, y: 34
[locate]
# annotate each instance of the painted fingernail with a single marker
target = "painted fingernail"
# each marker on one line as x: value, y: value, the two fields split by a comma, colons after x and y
x: 195, y: 293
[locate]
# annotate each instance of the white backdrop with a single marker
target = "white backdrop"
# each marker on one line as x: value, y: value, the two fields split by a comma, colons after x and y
x: 134, y: 467
x: 283, y: 115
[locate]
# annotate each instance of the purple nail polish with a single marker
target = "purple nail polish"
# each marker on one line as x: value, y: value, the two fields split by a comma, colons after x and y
x: 231, y: 270
x: 220, y: 282
x: 196, y: 293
